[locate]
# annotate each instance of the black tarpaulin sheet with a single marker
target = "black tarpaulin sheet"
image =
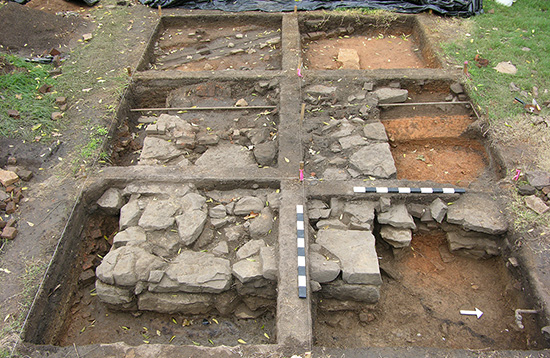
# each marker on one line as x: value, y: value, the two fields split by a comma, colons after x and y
x: 462, y: 8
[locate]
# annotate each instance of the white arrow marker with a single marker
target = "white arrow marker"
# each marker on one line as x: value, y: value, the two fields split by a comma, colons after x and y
x: 477, y: 313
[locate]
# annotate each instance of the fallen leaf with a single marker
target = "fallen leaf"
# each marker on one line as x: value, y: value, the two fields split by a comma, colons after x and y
x: 196, y: 343
x: 171, y: 339
x: 266, y: 335
x: 287, y: 160
x: 241, y: 341
x: 5, y: 270
x: 215, y: 320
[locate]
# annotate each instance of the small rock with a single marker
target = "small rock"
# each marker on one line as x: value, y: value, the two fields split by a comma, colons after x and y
x: 25, y: 174
x: 60, y: 100
x: 9, y: 233
x: 231, y: 45
x: 349, y: 59
x: 391, y: 95
x: 208, y: 67
x: 8, y: 177
x: 525, y: 49
x: 456, y: 88
x: 241, y: 103
x: 57, y: 116
x: 14, y: 114
x: 527, y: 190
x: 87, y: 37
x: 536, y: 204
x: 513, y: 88
x: 239, y: 36
x: 368, y: 86
x: 221, y: 249
x: 506, y: 67
x: 438, y: 209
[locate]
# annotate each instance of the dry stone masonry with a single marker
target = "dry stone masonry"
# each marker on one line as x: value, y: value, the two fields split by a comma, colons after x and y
x: 179, y: 250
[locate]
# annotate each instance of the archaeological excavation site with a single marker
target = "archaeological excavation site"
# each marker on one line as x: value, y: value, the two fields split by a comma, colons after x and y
x: 280, y: 184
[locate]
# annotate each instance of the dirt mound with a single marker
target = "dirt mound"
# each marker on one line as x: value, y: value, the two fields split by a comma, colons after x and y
x: 27, y: 31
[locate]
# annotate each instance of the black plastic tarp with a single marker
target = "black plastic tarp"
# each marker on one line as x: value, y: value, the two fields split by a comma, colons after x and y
x: 462, y: 8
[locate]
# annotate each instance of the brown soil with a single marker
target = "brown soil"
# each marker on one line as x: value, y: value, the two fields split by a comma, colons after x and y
x: 422, y: 307
x: 91, y: 322
x: 176, y: 45
x: 48, y: 30
x: 454, y: 161
x: 374, y: 53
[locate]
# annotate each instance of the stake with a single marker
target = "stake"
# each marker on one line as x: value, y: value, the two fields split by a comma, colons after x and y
x: 419, y: 104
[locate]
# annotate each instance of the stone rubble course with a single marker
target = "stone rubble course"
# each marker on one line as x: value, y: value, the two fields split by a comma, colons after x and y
x: 154, y: 262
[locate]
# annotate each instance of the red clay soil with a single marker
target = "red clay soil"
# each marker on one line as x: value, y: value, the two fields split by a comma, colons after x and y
x: 374, y: 53
x: 447, y: 161
x: 420, y: 127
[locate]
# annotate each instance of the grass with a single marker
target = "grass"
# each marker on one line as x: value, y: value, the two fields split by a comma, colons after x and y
x: 504, y: 36
x: 19, y: 91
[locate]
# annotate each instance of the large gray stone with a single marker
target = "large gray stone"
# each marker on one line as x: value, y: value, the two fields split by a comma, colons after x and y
x: 158, y: 215
x: 321, y: 91
x: 158, y: 149
x: 248, y: 270
x: 262, y: 224
x: 352, y: 141
x: 331, y: 173
x: 391, y: 95
x: 235, y: 233
x: 538, y: 179
x: 226, y: 156
x: 186, y: 303
x: 195, y: 272
x: 114, y: 295
x: 321, y: 269
x: 111, y: 201
x: 192, y: 201
x: 190, y: 225
x: 268, y: 260
x: 163, y: 243
x: 359, y: 214
x: 129, y: 214
x: 438, y: 209
x: 217, y: 212
x: 375, y: 131
x: 133, y: 235
x: 248, y: 204
x: 375, y: 160
x: 274, y: 200
x: 331, y: 224
x: 251, y: 248
x: 258, y: 135
x: 397, y: 216
x: 477, y: 212
x: 127, y: 265
x: 343, y: 291
x: 536, y: 204
x: 356, y: 252
x: 473, y: 244
x: 266, y: 153
x: 317, y: 209
x: 396, y: 237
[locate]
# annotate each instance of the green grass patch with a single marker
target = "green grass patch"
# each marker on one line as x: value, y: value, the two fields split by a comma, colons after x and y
x: 19, y: 84
x: 505, y: 35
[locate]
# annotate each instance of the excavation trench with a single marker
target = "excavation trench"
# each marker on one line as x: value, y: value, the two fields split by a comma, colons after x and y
x: 188, y: 236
